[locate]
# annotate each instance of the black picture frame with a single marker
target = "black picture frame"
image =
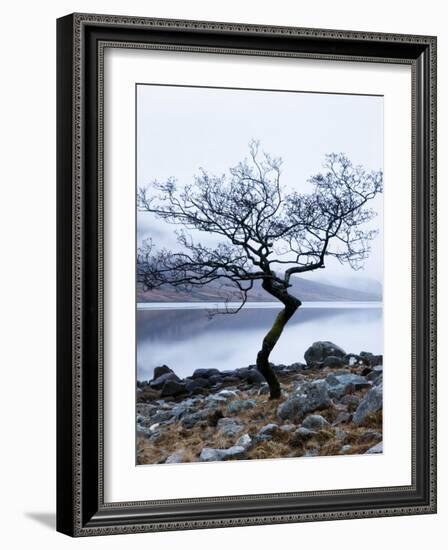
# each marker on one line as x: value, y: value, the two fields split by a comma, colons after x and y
x: 81, y: 510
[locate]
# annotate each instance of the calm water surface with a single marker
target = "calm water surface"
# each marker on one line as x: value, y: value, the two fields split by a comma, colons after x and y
x: 184, y: 337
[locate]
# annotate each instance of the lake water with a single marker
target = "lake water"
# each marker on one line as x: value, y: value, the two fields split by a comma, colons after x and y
x: 184, y: 337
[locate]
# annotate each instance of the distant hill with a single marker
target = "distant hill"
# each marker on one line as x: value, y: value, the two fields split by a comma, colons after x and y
x: 304, y: 289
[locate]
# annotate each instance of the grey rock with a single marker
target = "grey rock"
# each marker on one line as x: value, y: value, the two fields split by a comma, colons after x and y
x: 301, y: 435
x: 315, y: 422
x: 172, y: 388
x: 229, y: 427
x: 227, y: 394
x: 215, y: 379
x: 341, y: 384
x: 370, y: 403
x: 175, y: 458
x: 162, y: 415
x: 308, y: 397
x: 342, y: 418
x: 204, y: 373
x: 375, y: 373
x: 192, y: 419
x: 264, y: 389
x: 146, y: 409
x: 340, y: 434
x: 250, y: 375
x: 158, y: 382
x: 319, y: 351
x: 269, y: 429
x: 209, y: 454
x: 345, y: 449
x: 239, y: 405
x: 333, y: 361
x: 351, y: 400
x: 158, y: 371
x: 376, y: 449
x: 371, y: 359
x: 196, y: 386
x: 244, y: 441
x: 288, y: 428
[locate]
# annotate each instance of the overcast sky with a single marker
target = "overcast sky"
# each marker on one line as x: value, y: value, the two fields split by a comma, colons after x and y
x: 180, y: 129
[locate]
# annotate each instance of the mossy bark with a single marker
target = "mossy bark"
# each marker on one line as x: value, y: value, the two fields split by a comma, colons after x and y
x: 291, y: 304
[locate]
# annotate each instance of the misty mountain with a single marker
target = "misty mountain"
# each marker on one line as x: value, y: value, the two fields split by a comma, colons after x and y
x: 304, y: 289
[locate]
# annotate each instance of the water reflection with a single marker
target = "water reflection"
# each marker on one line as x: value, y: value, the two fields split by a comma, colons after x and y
x: 186, y: 339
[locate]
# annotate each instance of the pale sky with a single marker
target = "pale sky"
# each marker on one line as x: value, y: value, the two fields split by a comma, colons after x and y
x: 180, y: 129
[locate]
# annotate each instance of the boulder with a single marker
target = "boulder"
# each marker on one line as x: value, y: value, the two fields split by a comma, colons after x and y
x: 172, y: 388
x: 163, y: 369
x: 204, y: 373
x: 158, y: 382
x: 315, y: 422
x: 308, y: 397
x: 370, y: 403
x: 251, y: 375
x: 234, y: 407
x: 215, y: 379
x: 319, y: 351
x: 333, y: 361
x: 196, y: 386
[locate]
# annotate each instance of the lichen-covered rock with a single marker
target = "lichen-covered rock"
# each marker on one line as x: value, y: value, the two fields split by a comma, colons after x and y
x: 308, y: 397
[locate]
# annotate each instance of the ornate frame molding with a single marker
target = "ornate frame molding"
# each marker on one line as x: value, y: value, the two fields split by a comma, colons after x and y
x: 81, y: 40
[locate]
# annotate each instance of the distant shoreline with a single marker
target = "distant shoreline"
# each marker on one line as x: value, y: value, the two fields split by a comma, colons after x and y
x: 160, y: 306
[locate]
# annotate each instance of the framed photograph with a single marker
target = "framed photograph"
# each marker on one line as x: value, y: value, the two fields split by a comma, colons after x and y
x: 246, y: 274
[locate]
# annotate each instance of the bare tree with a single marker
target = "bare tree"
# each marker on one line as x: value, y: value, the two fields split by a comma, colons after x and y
x: 265, y: 234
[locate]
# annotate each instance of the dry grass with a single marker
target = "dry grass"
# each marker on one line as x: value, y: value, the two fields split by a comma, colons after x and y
x: 175, y: 437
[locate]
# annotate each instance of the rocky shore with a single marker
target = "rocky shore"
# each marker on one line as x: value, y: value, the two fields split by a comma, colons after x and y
x: 330, y: 405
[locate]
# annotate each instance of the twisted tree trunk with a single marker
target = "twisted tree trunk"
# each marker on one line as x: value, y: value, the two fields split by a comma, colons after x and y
x: 291, y: 304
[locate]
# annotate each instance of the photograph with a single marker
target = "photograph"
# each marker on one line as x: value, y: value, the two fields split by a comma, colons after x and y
x: 259, y: 274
